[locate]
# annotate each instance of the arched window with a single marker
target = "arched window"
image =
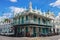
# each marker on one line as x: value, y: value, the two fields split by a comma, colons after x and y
x: 44, y: 21
x: 19, y: 20
x: 22, y: 19
x: 35, y: 18
x: 26, y: 18
x: 39, y: 20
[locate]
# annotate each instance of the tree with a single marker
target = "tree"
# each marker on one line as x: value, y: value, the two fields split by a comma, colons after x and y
x: 6, y: 20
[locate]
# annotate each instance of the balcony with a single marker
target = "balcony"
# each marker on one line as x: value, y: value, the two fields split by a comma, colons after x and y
x: 48, y: 24
x: 33, y: 22
x: 26, y: 22
x: 30, y: 22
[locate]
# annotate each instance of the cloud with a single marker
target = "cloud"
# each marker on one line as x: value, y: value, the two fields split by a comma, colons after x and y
x: 55, y: 4
x: 1, y: 18
x: 4, y: 16
x: 7, y: 15
x: 16, y: 10
x: 58, y: 17
x: 13, y: 0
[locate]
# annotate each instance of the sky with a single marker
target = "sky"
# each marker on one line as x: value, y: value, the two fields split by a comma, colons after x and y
x: 8, y: 6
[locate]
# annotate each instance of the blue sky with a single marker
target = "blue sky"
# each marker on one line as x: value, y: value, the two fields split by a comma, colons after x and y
x: 44, y: 5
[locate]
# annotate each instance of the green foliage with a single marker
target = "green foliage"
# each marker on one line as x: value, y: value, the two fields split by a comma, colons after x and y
x: 6, y: 20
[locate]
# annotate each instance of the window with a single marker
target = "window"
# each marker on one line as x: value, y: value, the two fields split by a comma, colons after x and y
x: 47, y: 21
x: 34, y: 29
x: 14, y: 21
x: 35, y: 18
x: 43, y: 21
x: 22, y: 19
x: 39, y: 20
x: 26, y: 29
x: 19, y: 20
x: 18, y: 29
x: 26, y: 18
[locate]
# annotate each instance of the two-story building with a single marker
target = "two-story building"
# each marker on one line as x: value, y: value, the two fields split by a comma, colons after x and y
x: 32, y: 22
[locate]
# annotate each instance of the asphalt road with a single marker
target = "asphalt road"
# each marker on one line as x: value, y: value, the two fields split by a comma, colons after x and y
x: 57, y: 37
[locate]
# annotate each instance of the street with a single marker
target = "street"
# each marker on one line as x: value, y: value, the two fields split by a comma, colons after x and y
x: 57, y: 37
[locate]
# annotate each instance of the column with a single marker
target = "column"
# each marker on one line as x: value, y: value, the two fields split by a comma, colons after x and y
x: 52, y: 30
x: 31, y: 31
x: 20, y: 20
x: 49, y: 30
x: 24, y: 31
x: 41, y: 21
x: 37, y: 31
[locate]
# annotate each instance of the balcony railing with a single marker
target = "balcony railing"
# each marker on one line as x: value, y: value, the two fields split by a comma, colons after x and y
x: 33, y: 22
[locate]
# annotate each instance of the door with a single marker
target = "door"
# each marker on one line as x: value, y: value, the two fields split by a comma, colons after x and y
x: 34, y: 31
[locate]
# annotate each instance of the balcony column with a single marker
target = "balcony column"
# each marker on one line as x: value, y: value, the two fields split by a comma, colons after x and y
x: 17, y: 21
x: 41, y: 21
x: 24, y: 18
x: 37, y: 20
x: 31, y: 30
x: 24, y: 31
x: 20, y: 19
x: 56, y: 30
x: 31, y: 17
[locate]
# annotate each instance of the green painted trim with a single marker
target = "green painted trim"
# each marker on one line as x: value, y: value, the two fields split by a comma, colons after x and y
x: 19, y: 21
x: 34, y: 31
x: 35, y: 18
x: 19, y: 30
x: 45, y: 30
x: 26, y: 18
x: 22, y: 19
x: 26, y: 29
x: 39, y: 20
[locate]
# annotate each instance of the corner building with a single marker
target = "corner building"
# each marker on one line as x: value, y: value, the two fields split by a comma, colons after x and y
x: 31, y: 22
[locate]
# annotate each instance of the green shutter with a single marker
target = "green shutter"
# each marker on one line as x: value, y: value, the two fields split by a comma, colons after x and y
x: 47, y: 30
x: 18, y: 29
x: 35, y: 18
x: 34, y: 31
x: 22, y: 19
x: 26, y: 18
x: 43, y: 30
x: 39, y: 20
x: 26, y: 29
x: 17, y: 20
